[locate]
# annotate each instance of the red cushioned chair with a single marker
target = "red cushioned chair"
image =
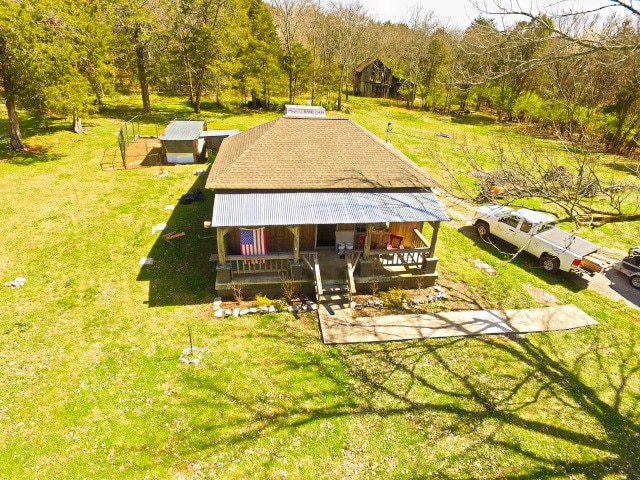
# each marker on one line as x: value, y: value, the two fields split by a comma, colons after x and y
x: 395, y: 242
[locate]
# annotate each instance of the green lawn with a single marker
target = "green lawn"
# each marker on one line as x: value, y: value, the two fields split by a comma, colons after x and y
x: 92, y: 387
x: 475, y: 135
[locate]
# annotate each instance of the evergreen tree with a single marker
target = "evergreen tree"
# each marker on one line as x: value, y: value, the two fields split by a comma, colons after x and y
x: 14, y: 44
x: 258, y: 64
x: 137, y: 26
x: 212, y: 32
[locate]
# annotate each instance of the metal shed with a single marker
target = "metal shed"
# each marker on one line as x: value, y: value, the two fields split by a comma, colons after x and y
x: 213, y: 138
x: 181, y: 141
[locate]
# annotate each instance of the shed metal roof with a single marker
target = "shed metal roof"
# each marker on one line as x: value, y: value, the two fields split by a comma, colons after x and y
x: 183, y: 130
x: 219, y: 133
x: 322, y: 207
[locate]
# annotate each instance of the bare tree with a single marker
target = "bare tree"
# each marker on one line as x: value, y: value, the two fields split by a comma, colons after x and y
x: 587, y: 30
x: 347, y: 22
x: 415, y: 44
x: 289, y: 17
x: 573, y: 184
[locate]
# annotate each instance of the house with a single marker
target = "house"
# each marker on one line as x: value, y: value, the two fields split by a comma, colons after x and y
x: 310, y: 200
x: 373, y: 78
x: 181, y: 142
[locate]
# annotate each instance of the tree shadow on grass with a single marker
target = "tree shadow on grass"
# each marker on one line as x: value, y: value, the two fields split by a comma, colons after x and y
x: 34, y: 153
x: 628, y: 166
x: 503, y: 251
x: 530, y: 406
x: 164, y: 113
x: 473, y: 119
x: 32, y: 156
x: 181, y: 273
x: 161, y: 113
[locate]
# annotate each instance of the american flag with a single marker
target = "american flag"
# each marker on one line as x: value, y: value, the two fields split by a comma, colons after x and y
x: 252, y: 242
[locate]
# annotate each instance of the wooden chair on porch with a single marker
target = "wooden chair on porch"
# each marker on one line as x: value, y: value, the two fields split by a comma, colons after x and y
x: 395, y: 242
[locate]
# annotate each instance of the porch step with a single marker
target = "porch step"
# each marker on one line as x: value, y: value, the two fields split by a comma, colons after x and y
x: 335, y: 298
x: 334, y: 284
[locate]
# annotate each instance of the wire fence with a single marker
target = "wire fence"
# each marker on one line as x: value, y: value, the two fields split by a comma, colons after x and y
x: 137, y: 127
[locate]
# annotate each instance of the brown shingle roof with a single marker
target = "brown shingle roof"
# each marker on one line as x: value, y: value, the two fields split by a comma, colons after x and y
x: 311, y: 154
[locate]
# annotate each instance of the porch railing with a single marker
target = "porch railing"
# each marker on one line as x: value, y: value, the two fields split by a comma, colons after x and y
x: 414, y: 257
x: 418, y: 240
x: 269, y: 263
x: 311, y: 259
x: 408, y: 257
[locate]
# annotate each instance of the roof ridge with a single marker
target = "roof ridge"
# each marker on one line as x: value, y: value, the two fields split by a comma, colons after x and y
x: 263, y: 126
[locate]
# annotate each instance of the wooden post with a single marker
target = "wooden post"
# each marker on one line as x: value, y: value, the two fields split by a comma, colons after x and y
x: 222, y: 251
x: 367, y: 242
x: 434, y: 238
x: 295, y: 230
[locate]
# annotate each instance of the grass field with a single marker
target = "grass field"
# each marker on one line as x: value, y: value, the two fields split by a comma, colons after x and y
x: 92, y: 387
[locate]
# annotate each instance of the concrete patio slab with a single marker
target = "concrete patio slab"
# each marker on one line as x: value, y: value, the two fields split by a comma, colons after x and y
x: 342, y: 329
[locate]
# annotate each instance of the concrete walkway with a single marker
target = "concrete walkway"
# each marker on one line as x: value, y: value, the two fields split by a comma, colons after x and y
x: 334, y: 308
x: 341, y: 327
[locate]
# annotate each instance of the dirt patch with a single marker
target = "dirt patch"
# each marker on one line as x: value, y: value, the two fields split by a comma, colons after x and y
x: 540, y: 295
x: 448, y: 295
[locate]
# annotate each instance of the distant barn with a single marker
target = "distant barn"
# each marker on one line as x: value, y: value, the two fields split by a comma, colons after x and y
x: 182, y: 142
x: 374, y: 79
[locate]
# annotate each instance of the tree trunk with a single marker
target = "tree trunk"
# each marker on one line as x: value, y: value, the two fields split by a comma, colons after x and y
x: 314, y: 74
x: 8, y: 86
x: 340, y: 88
x: 188, y: 70
x: 291, y: 86
x: 15, y: 137
x: 142, y: 77
x: 346, y: 86
x: 76, y: 127
x: 197, y: 100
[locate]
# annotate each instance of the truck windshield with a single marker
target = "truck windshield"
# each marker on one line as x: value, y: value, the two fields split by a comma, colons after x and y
x: 545, y: 226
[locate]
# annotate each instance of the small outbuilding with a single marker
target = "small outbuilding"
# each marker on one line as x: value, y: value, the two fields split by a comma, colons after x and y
x: 182, y: 142
x: 213, y: 138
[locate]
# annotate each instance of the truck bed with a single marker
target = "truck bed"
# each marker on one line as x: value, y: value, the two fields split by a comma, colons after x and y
x: 569, y: 241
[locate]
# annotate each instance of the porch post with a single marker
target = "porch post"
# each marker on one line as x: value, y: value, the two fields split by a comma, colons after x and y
x: 222, y: 251
x: 434, y: 238
x: 295, y: 230
x: 367, y: 242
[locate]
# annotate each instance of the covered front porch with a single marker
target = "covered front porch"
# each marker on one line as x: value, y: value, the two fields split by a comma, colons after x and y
x: 356, y: 239
x: 366, y: 265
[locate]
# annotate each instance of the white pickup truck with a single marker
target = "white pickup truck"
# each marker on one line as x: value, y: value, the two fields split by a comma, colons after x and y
x: 534, y: 232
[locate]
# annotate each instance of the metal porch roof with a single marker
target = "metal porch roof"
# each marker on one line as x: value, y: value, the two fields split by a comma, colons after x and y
x: 313, y: 207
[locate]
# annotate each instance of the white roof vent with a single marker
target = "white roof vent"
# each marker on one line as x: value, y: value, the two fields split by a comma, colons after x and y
x: 304, y: 111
